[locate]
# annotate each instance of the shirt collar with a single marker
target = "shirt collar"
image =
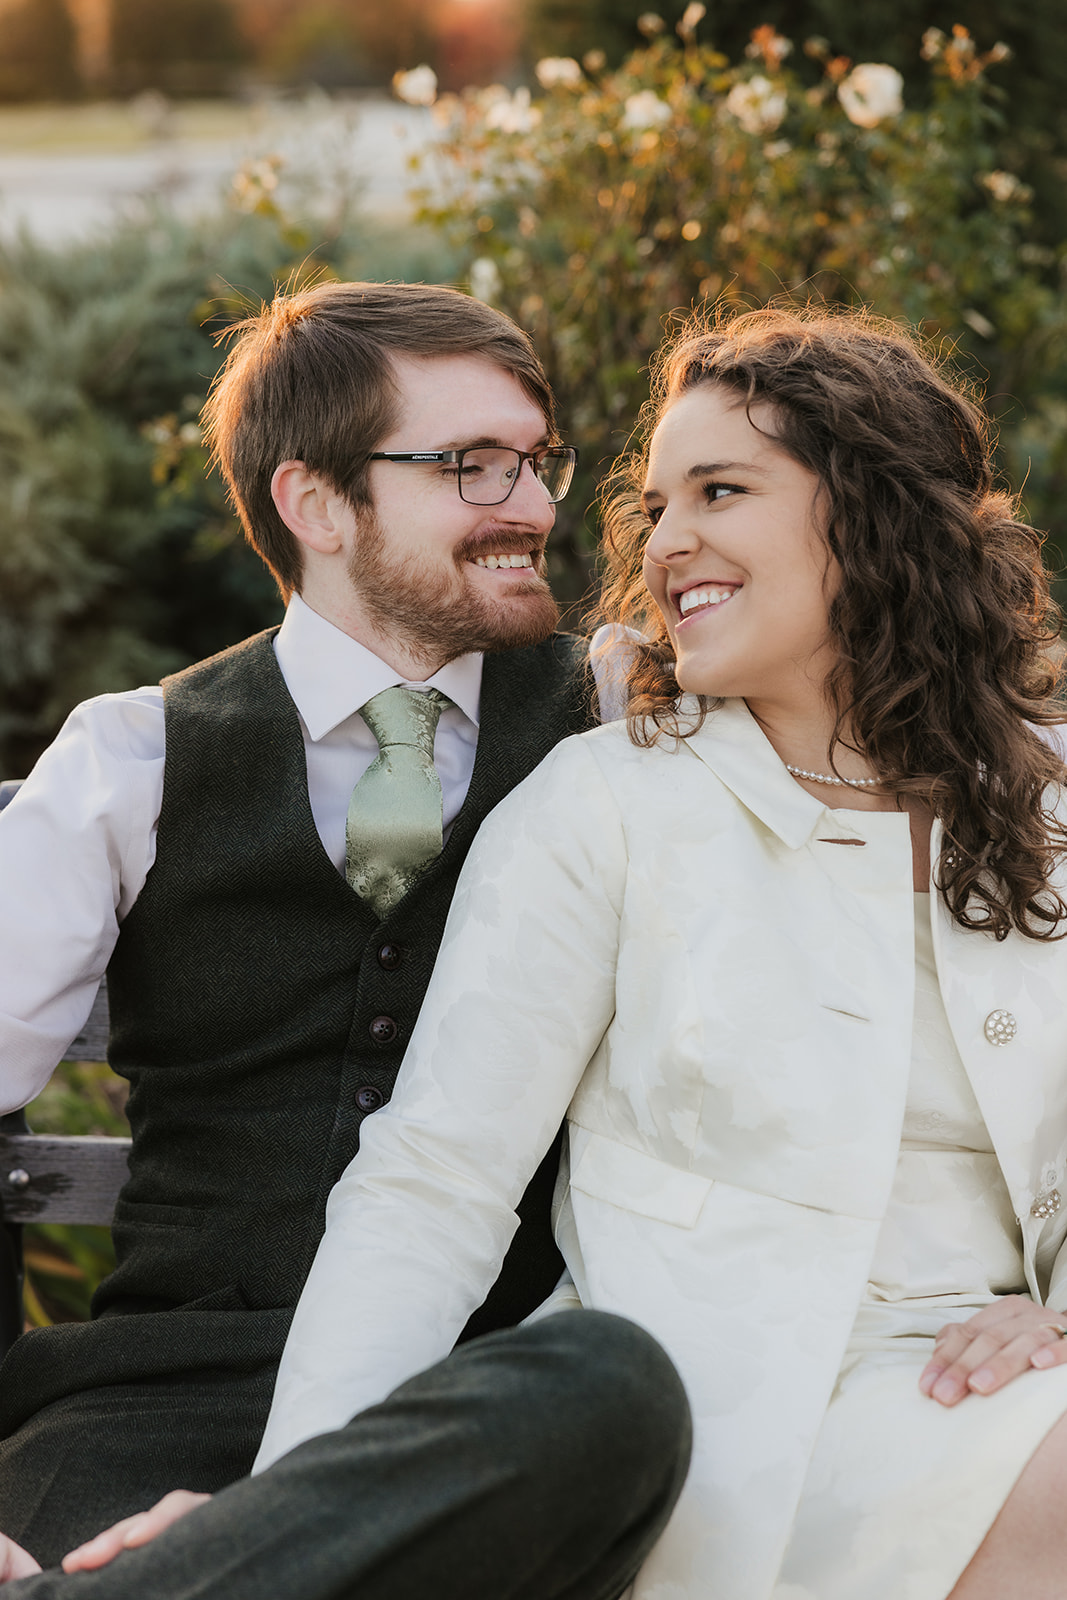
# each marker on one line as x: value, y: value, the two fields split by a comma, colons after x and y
x: 330, y: 675
x: 733, y: 745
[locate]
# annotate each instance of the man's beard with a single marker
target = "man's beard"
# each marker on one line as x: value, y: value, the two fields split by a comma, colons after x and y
x: 409, y: 600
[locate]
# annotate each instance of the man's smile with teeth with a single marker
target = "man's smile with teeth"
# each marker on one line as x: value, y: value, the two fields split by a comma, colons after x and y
x: 503, y: 561
x: 712, y: 595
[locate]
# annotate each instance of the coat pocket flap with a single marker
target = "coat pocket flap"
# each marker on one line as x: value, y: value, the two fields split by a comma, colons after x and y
x: 608, y: 1170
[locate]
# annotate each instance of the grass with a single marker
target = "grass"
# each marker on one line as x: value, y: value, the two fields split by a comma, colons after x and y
x: 114, y: 126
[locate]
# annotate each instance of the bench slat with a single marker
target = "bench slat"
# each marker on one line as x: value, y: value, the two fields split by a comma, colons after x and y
x: 71, y: 1179
x: 91, y: 1043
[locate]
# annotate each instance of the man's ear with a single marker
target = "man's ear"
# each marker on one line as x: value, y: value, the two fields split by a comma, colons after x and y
x: 308, y: 506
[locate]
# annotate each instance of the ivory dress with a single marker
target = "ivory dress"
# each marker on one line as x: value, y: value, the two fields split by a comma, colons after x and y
x: 901, y: 1491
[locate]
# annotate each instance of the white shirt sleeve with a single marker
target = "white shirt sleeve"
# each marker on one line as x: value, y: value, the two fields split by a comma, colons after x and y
x: 522, y: 992
x: 76, y: 844
x: 611, y: 653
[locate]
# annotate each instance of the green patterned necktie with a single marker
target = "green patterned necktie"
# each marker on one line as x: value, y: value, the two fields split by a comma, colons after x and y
x: 394, y: 817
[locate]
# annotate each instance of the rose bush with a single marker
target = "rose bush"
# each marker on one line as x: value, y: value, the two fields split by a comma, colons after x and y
x: 615, y: 197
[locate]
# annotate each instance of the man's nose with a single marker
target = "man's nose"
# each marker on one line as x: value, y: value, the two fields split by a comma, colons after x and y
x: 528, y: 501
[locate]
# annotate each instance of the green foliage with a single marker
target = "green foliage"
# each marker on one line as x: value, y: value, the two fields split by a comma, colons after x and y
x: 119, y: 558
x: 64, y: 1263
x: 622, y: 195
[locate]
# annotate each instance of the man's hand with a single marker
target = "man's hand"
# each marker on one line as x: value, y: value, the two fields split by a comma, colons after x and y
x: 982, y: 1355
x: 15, y: 1562
x: 131, y: 1532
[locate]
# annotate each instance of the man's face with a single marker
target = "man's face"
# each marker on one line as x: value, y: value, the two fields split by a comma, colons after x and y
x: 416, y: 565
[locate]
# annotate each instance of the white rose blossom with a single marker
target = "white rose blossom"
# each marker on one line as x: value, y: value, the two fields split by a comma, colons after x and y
x: 646, y: 110
x: 554, y: 71
x: 485, y: 280
x: 872, y: 92
x: 509, y: 113
x: 758, y: 106
x: 417, y: 87
x: 1005, y: 186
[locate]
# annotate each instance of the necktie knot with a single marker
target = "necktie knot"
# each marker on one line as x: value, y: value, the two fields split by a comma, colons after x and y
x: 405, y: 716
x: 394, y: 827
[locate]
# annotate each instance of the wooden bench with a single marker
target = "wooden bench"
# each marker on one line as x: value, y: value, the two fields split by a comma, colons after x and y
x: 53, y: 1178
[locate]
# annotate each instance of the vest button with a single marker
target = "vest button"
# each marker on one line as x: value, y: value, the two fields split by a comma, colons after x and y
x: 390, y: 956
x: 383, y: 1030
x: 368, y: 1098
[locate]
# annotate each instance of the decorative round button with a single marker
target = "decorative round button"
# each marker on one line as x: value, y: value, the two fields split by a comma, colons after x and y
x: 19, y: 1178
x: 390, y: 956
x: 1046, y: 1205
x: 1000, y: 1027
x: 368, y: 1098
x: 383, y: 1030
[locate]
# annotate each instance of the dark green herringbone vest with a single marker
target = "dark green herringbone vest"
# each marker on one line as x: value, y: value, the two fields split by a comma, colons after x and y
x: 260, y: 1011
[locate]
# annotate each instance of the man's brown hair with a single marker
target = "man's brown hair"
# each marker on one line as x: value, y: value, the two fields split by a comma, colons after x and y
x: 310, y: 379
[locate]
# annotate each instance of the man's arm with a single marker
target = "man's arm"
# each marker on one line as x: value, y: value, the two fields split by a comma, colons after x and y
x: 75, y: 847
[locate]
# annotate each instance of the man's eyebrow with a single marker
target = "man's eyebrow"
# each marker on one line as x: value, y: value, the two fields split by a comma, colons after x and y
x: 486, y: 443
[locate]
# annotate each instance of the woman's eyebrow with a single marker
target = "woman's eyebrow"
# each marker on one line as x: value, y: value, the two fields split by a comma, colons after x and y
x: 710, y: 469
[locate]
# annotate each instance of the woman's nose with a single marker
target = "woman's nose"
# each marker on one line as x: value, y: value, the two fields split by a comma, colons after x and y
x: 669, y: 540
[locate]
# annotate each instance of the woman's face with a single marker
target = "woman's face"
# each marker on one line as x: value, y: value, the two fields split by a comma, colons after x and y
x: 736, y: 560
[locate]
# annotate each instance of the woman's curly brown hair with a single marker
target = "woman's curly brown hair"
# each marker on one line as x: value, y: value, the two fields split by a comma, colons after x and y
x: 943, y: 621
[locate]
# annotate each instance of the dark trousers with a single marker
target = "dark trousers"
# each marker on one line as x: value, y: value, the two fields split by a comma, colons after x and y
x: 539, y: 1463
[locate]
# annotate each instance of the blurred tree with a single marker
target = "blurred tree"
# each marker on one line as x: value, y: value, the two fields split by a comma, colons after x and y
x: 37, y: 51
x: 319, y: 44
x: 338, y: 43
x: 184, y: 47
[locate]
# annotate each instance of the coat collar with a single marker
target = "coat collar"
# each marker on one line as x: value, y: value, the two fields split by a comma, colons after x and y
x: 732, y: 744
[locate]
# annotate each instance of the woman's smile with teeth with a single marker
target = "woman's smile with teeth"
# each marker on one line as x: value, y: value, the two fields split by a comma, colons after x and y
x: 503, y: 561
x: 693, y: 599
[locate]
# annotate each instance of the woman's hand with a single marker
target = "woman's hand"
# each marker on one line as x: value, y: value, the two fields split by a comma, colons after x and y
x: 982, y: 1355
x: 131, y: 1531
x: 15, y: 1562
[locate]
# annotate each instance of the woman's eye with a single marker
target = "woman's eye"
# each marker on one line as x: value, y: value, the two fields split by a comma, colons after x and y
x: 721, y: 491
x: 653, y: 514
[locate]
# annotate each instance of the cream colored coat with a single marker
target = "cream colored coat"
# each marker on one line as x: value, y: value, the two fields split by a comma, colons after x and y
x: 715, y: 974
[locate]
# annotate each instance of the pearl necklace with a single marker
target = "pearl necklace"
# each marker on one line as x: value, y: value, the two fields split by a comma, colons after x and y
x: 838, y: 783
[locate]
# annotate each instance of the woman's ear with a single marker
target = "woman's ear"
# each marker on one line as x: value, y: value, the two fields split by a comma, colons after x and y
x: 308, y: 507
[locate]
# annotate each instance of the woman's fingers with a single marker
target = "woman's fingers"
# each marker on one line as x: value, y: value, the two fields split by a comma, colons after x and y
x: 132, y: 1531
x: 983, y: 1354
x: 15, y: 1562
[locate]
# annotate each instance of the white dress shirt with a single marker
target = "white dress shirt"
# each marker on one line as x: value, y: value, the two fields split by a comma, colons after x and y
x: 78, y: 840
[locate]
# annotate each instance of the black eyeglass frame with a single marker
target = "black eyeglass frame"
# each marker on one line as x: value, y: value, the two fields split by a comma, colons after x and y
x: 456, y: 456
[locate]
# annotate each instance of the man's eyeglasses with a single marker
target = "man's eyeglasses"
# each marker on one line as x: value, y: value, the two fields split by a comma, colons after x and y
x: 486, y: 474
